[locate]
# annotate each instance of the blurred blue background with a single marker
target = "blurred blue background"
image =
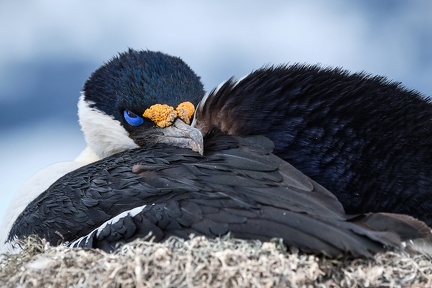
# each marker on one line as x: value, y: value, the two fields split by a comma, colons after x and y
x: 48, y: 49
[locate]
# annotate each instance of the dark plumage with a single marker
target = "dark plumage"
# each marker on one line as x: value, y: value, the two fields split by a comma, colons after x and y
x: 135, y: 80
x: 366, y: 139
x: 123, y: 88
x: 111, y: 112
x: 238, y: 187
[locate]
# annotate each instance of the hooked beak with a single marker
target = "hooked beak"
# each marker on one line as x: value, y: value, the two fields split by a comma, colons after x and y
x: 179, y: 134
x: 183, y: 135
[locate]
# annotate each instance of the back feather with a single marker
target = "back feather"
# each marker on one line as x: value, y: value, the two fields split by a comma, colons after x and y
x: 237, y: 187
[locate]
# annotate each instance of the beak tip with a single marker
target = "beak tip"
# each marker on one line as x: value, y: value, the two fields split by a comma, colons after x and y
x: 183, y: 135
x: 197, y: 145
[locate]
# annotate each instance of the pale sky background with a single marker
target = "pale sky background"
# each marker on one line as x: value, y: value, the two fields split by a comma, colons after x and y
x: 48, y: 49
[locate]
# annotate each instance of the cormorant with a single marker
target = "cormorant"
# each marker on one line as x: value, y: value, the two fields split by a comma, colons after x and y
x: 364, y: 138
x: 238, y: 186
x: 109, y: 111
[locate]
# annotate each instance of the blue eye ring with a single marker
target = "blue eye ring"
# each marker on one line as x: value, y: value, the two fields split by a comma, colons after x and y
x: 132, y: 118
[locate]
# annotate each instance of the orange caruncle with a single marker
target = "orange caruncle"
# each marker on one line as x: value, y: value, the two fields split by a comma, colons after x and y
x: 185, y: 110
x: 164, y: 115
x: 161, y: 114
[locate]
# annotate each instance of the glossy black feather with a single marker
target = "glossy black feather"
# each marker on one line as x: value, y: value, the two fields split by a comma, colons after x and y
x: 136, y: 80
x: 237, y: 187
x: 366, y: 139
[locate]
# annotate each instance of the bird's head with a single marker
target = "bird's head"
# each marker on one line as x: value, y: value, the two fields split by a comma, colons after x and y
x: 117, y: 108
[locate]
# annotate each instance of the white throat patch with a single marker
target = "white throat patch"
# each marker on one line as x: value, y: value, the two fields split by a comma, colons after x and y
x: 103, y: 134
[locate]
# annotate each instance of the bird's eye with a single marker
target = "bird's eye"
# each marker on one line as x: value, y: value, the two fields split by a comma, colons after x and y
x: 132, y: 118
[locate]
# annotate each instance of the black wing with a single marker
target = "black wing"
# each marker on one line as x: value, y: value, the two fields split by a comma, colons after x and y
x: 364, y: 138
x: 238, y: 187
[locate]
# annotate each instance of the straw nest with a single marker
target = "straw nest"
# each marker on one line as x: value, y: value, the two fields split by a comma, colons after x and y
x: 201, y: 262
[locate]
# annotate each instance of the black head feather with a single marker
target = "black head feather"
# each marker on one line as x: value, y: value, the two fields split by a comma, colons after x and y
x: 116, y: 96
x: 135, y: 80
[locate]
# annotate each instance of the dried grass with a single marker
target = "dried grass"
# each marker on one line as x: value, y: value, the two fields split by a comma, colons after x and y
x: 200, y: 262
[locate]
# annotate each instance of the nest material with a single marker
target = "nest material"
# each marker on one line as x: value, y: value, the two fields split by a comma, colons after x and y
x: 200, y: 262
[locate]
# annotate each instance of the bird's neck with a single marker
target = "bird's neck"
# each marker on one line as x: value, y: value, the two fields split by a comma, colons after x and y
x: 104, y: 135
x: 87, y: 156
